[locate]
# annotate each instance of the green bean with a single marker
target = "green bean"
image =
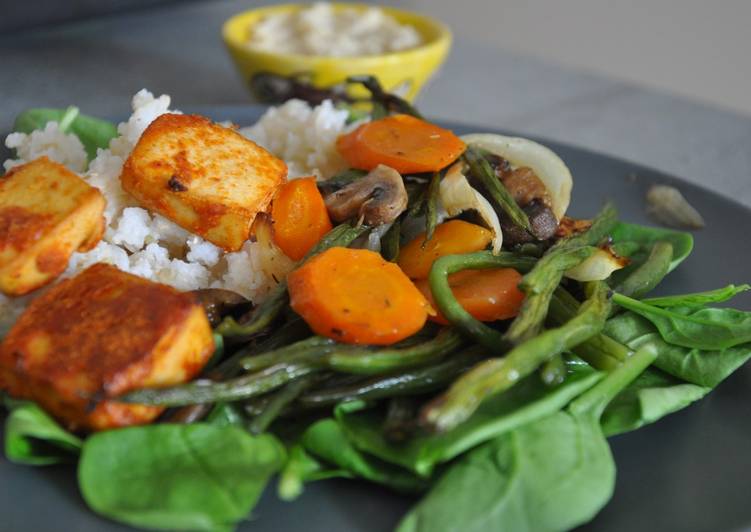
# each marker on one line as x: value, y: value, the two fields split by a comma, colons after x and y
x: 450, y: 307
x: 411, y: 382
x: 600, y: 351
x: 390, y: 242
x: 278, y: 402
x: 267, y: 312
x: 644, y: 278
x: 496, y: 375
x: 553, y: 372
x: 540, y: 283
x: 206, y: 391
x: 416, y: 201
x: 481, y: 170
x: 361, y: 360
x: 431, y: 205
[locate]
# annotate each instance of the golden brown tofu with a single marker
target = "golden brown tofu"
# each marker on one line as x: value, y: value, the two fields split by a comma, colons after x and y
x: 204, y: 177
x: 46, y: 213
x: 99, y: 335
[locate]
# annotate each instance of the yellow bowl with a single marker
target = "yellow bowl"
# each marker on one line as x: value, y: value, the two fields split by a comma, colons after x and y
x: 407, y: 70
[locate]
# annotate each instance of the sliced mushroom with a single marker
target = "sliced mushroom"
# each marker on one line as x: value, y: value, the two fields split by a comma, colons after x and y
x: 218, y: 303
x: 541, y: 220
x: 378, y: 198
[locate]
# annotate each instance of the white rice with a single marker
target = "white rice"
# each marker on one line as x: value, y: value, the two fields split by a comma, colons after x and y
x: 149, y: 245
x: 322, y: 30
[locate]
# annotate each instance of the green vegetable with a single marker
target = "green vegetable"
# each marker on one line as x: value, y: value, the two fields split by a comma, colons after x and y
x: 364, y: 360
x: 524, y: 403
x: 226, y: 414
x: 540, y: 283
x: 431, y: 205
x: 340, y: 180
x: 699, y: 298
x: 450, y: 307
x: 481, y: 170
x: 639, y: 240
x: 301, y: 468
x: 649, y: 274
x: 653, y: 395
x: 496, y: 375
x: 206, y: 391
x: 186, y: 477
x: 278, y: 402
x: 701, y: 367
x: 32, y: 437
x: 92, y: 132
x: 699, y: 328
x: 553, y: 372
x: 390, y: 242
x: 413, y: 381
x: 549, y: 475
x: 326, y: 440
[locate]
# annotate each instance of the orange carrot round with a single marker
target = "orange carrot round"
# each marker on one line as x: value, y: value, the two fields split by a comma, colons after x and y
x: 450, y: 238
x: 299, y: 216
x: 403, y: 142
x: 355, y: 296
x: 488, y: 295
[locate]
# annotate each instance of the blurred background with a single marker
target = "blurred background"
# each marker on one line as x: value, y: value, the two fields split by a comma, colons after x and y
x: 664, y: 82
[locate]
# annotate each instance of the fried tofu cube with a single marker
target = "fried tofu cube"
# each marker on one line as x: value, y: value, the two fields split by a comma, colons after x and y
x: 204, y: 177
x: 99, y: 335
x: 46, y: 213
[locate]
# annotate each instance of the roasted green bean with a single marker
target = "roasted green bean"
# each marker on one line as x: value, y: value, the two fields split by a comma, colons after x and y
x: 431, y: 205
x: 283, y: 397
x: 553, y: 372
x: 496, y: 375
x: 648, y: 275
x: 450, y: 307
x: 481, y: 170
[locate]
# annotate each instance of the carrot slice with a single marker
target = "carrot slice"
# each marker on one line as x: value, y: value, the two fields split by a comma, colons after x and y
x: 403, y: 142
x: 300, y: 217
x: 488, y: 295
x: 450, y: 238
x: 355, y: 296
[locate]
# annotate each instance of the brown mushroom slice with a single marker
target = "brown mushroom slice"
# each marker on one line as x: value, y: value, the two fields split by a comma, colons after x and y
x: 378, y: 198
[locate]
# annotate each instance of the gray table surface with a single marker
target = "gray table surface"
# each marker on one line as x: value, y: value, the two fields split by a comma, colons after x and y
x: 98, y: 64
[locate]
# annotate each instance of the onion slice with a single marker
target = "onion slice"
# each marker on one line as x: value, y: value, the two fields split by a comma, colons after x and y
x: 551, y: 170
x: 457, y: 196
x: 598, y: 266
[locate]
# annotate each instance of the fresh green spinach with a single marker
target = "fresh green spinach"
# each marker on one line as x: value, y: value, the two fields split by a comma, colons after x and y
x: 637, y: 241
x: 697, y: 366
x: 653, y: 395
x: 186, y: 477
x: 552, y: 474
x: 694, y: 327
x: 326, y: 440
x: 698, y: 298
x: 32, y: 437
x: 301, y: 468
x: 93, y: 132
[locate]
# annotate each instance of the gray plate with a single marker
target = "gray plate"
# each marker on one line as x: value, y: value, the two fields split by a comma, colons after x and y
x: 688, y: 472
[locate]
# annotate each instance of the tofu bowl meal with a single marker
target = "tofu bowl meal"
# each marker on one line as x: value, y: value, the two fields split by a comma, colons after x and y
x: 325, y: 43
x: 189, y: 309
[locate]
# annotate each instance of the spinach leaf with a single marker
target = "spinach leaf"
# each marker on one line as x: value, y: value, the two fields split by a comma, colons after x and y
x: 698, y: 298
x: 326, y: 440
x: 529, y: 400
x: 701, y: 367
x: 701, y: 328
x: 641, y: 238
x: 653, y: 395
x: 186, y: 477
x: 226, y: 414
x: 552, y: 474
x: 32, y: 437
x: 92, y: 132
x: 301, y: 468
